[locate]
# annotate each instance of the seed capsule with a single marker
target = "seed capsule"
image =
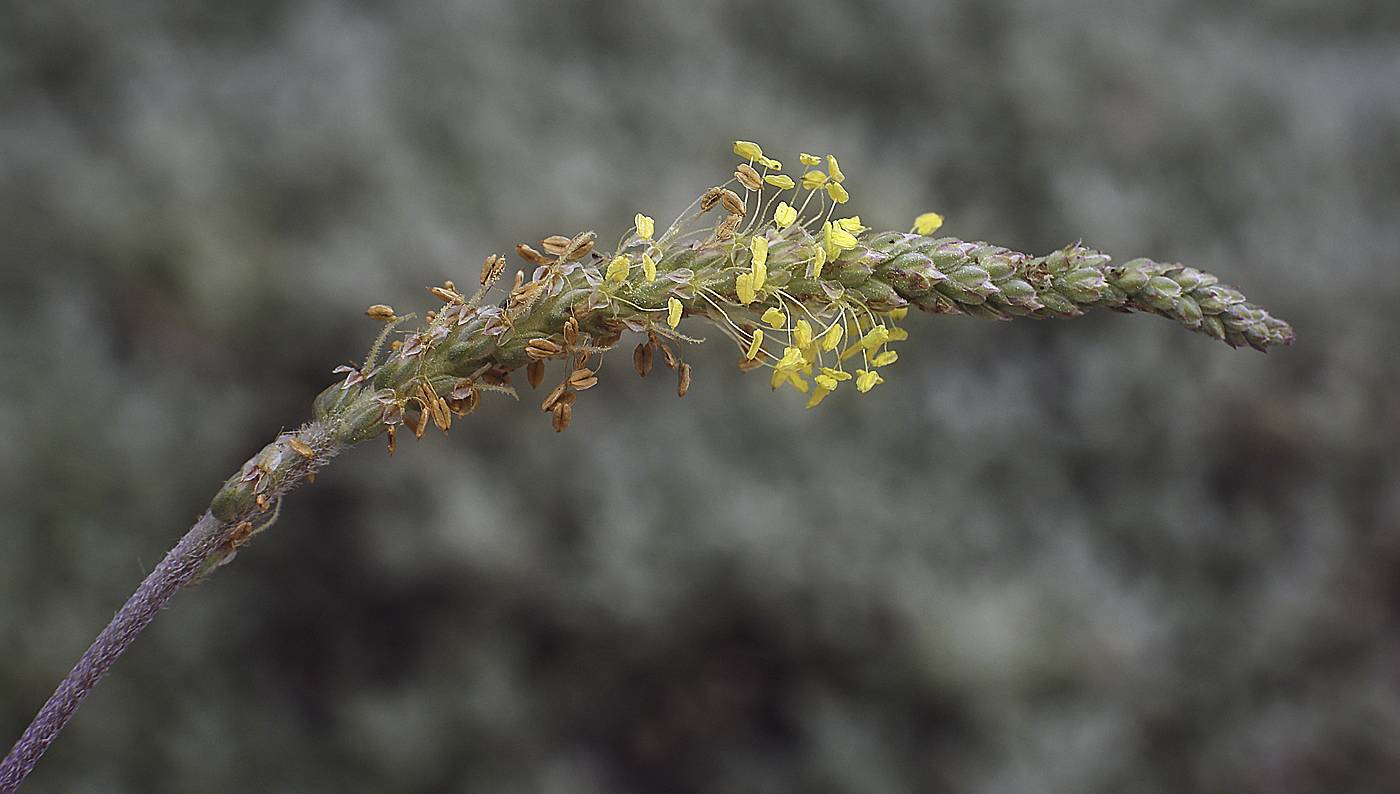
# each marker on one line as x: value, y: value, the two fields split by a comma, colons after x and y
x: 710, y: 199
x: 416, y: 423
x: 534, y: 373
x: 445, y: 295
x: 728, y: 227
x: 578, y: 247
x: 529, y: 254
x: 732, y: 202
x: 555, y: 244
x: 748, y: 177
x: 582, y: 379
x: 540, y: 348
x: 562, y: 413
x: 380, y: 312
x: 683, y: 384
x: 555, y: 396
x: 641, y: 359
x: 491, y: 271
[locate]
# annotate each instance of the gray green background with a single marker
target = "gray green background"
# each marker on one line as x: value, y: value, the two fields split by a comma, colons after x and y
x: 1093, y: 555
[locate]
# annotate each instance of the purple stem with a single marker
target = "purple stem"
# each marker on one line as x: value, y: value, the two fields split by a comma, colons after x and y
x: 174, y: 572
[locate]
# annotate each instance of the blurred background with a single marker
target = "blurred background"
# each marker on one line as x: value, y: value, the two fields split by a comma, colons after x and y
x: 1100, y: 554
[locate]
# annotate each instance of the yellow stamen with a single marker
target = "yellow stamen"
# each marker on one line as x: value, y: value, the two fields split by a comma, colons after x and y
x: 755, y: 345
x: 618, y: 269
x: 928, y: 223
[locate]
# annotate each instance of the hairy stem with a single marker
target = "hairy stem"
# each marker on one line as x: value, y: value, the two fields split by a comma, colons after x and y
x: 178, y: 568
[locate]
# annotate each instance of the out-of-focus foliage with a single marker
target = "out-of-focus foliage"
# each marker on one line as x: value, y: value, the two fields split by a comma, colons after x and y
x: 1045, y: 557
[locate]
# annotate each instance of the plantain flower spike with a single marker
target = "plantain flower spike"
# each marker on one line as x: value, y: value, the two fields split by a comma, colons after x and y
x: 830, y: 292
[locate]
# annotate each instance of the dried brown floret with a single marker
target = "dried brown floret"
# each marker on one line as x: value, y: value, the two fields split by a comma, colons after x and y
x: 732, y: 202
x: 555, y: 244
x: 562, y: 413
x: 728, y: 226
x: 582, y: 379
x: 529, y: 254
x: 748, y: 177
x: 380, y: 312
x: 495, y: 265
x: 683, y: 384
x: 540, y: 348
x: 555, y: 396
x: 710, y: 199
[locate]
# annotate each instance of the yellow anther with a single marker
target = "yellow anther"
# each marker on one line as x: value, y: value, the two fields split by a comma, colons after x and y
x: 775, y: 318
x: 748, y: 150
x: 813, y: 179
x: 834, y: 169
x: 646, y: 227
x: 755, y: 345
x: 928, y: 223
x: 885, y: 359
x: 743, y: 284
x: 809, y: 159
x: 784, y: 216
x: 673, y: 316
x: 618, y: 269
x: 802, y: 334
x: 649, y: 268
x: 780, y: 181
x: 865, y: 381
x: 759, y: 246
x: 832, y: 337
x: 838, y: 194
